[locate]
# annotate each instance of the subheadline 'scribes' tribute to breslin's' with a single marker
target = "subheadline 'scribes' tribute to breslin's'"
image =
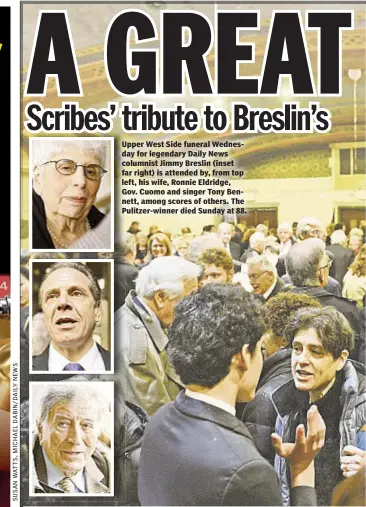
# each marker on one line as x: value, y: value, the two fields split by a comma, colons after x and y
x: 199, y: 171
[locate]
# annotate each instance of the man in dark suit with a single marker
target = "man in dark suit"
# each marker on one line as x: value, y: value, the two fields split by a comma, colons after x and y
x: 224, y: 232
x: 263, y: 277
x: 68, y: 456
x: 70, y: 298
x: 343, y: 257
x: 195, y: 451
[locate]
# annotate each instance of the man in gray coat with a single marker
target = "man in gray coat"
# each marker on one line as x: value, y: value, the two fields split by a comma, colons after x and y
x: 145, y: 376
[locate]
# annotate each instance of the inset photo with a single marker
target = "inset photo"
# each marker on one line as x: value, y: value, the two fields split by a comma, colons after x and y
x: 71, y: 438
x: 71, y: 193
x: 71, y: 324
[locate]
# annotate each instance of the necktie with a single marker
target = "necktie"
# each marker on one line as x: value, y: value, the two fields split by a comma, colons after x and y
x: 74, y: 367
x: 67, y: 485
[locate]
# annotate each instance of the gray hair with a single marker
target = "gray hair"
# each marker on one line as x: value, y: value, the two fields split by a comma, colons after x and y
x: 126, y: 246
x: 201, y: 243
x: 273, y: 248
x: 262, y: 261
x: 356, y: 232
x: 257, y: 237
x: 303, y: 260
x: 284, y: 226
x: 168, y: 274
x: 65, y: 393
x: 44, y: 149
x: 224, y: 226
x: 262, y: 228
x: 305, y: 224
x: 93, y: 280
x: 338, y: 237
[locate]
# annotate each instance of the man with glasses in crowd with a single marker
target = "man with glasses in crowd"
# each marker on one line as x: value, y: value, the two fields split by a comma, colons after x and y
x: 263, y: 277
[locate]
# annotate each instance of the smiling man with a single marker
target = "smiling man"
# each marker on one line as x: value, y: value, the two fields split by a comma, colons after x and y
x: 70, y: 298
x: 68, y: 457
x: 263, y: 277
x: 322, y: 340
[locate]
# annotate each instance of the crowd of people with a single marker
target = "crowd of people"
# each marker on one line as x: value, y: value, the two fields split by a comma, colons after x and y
x: 239, y: 366
x: 241, y: 351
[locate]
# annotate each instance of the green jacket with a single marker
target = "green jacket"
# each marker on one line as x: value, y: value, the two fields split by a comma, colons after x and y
x: 145, y: 376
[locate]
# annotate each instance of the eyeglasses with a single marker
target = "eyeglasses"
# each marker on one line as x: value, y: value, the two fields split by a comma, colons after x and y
x: 255, y: 276
x: 68, y: 167
x: 328, y: 265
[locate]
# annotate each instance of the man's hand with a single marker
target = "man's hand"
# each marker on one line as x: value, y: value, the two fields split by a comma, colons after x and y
x: 306, y: 447
x: 352, y: 460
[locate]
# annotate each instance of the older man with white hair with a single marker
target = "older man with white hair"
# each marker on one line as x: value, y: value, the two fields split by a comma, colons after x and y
x: 284, y: 233
x: 308, y: 227
x: 68, y: 455
x: 256, y: 246
x: 224, y: 233
x: 146, y: 377
x: 263, y: 277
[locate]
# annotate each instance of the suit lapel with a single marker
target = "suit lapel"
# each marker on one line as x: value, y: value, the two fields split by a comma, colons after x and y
x: 93, y: 478
x: 40, y: 363
x: 201, y: 410
x: 105, y: 356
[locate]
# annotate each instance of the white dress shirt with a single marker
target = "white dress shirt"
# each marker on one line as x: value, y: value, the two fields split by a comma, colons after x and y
x: 54, y: 475
x: 269, y: 291
x: 211, y: 401
x: 285, y: 247
x: 92, y: 361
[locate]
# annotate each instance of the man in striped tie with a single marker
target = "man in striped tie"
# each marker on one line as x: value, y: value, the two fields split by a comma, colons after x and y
x: 68, y: 455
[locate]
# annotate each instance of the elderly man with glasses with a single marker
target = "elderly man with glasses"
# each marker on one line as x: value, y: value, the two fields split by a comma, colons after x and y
x: 263, y: 277
x: 67, y: 174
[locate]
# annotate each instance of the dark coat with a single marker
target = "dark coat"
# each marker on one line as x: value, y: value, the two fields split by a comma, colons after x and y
x: 333, y: 287
x: 343, y: 258
x: 40, y: 363
x: 349, y: 310
x: 248, y: 254
x: 130, y: 423
x: 41, y: 238
x: 260, y: 415
x: 280, y: 286
x: 125, y: 275
x: 235, y: 250
x: 196, y: 454
x: 352, y: 419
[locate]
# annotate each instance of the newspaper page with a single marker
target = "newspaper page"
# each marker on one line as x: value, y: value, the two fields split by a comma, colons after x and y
x: 153, y: 130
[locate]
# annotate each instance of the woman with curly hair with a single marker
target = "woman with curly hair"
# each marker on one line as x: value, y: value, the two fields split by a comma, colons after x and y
x: 354, y: 281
